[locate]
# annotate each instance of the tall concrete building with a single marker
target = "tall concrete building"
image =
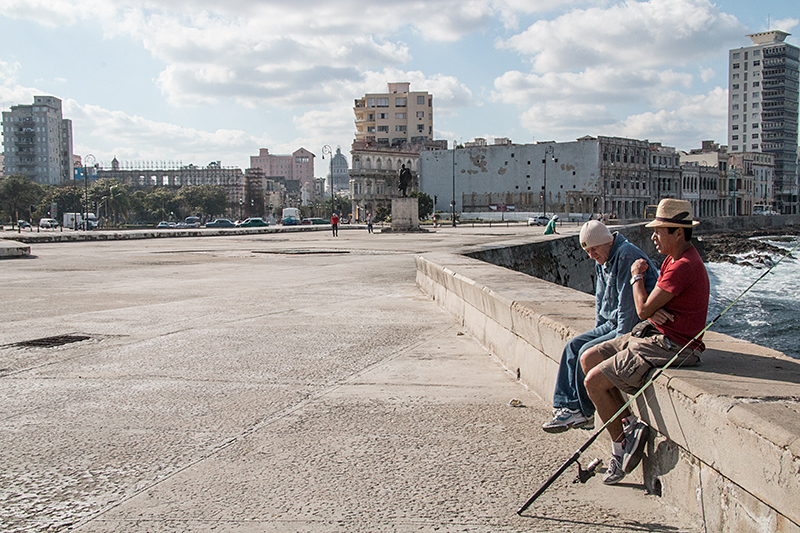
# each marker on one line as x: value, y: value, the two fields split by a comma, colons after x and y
x: 37, y: 141
x: 394, y: 117
x: 763, y: 107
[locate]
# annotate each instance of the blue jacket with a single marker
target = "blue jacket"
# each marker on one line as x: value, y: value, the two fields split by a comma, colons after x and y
x: 615, y: 310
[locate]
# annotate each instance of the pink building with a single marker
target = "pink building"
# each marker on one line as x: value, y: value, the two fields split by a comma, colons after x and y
x: 298, y: 166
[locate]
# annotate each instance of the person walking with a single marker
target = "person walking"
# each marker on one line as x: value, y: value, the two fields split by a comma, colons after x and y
x: 369, y: 223
x: 335, y: 224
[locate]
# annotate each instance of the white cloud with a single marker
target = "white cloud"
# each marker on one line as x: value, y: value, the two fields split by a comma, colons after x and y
x: 632, y: 34
x: 138, y: 138
x: 786, y: 24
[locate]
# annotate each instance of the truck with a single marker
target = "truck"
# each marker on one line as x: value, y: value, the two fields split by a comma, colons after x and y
x: 75, y: 220
x: 291, y: 216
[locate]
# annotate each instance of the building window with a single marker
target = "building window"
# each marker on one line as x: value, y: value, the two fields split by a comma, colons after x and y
x: 756, y: 63
x: 735, y: 147
x: 756, y: 83
x: 383, y: 116
x: 735, y: 65
x: 735, y: 86
x: 384, y: 128
x: 754, y: 136
x: 370, y: 102
x: 400, y: 127
x: 420, y: 114
x: 420, y: 127
x: 734, y: 137
x: 735, y: 127
x: 755, y: 95
x: 735, y: 107
x: 736, y: 55
x: 382, y: 102
x: 400, y: 115
x: 735, y: 117
x: 421, y: 100
x: 400, y: 102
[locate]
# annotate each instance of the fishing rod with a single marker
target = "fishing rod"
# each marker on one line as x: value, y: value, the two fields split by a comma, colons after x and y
x: 584, y: 475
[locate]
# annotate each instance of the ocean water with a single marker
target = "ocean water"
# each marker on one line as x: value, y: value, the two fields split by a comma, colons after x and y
x: 769, y: 313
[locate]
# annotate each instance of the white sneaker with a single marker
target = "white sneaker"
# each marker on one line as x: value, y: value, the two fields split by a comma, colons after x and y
x: 565, y: 418
x: 614, y: 473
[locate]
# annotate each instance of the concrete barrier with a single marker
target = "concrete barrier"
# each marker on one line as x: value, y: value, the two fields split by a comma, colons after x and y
x: 727, y: 448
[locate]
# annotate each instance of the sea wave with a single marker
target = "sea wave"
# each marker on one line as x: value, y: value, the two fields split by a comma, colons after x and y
x: 768, y: 312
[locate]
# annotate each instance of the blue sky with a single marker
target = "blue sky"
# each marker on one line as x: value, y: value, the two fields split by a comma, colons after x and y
x: 206, y: 81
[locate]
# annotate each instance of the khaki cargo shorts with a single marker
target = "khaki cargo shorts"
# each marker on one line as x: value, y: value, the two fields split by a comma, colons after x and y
x: 632, y: 359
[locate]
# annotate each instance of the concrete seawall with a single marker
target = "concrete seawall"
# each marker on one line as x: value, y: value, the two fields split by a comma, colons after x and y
x: 728, y: 444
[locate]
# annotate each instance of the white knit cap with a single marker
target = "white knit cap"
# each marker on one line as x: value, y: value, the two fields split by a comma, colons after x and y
x: 594, y: 233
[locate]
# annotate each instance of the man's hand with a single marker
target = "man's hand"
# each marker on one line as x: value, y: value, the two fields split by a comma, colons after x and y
x: 638, y: 267
x: 662, y: 316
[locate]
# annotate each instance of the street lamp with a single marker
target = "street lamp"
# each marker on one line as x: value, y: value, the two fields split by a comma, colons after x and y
x: 453, y: 203
x: 327, y: 150
x: 547, y: 152
x: 88, y: 162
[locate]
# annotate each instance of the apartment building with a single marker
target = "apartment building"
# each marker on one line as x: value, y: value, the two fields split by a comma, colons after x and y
x: 394, y: 117
x: 37, y: 141
x: 299, y: 166
x: 763, y: 109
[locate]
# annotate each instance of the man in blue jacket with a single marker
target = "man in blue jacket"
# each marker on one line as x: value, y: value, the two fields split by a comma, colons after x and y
x: 615, y: 315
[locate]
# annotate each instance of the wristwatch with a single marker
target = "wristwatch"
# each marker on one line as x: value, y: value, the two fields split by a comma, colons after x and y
x: 636, y: 278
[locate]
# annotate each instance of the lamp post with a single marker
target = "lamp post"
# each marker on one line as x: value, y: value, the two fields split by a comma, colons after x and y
x: 547, y: 152
x: 327, y: 150
x: 453, y: 203
x: 88, y: 162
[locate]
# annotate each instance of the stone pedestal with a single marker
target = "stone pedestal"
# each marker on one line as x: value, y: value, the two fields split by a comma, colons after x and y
x: 405, y: 214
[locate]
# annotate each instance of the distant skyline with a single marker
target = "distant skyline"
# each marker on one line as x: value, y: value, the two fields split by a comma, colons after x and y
x: 216, y: 81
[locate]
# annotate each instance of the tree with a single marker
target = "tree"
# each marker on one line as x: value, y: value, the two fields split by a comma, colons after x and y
x: 17, y: 195
x: 68, y: 198
x: 424, y: 204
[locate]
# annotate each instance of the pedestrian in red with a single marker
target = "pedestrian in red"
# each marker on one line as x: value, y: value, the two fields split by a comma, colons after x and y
x: 335, y: 224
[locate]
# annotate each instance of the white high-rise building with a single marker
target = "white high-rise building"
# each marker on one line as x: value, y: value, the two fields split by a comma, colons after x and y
x: 763, y: 107
x: 37, y: 141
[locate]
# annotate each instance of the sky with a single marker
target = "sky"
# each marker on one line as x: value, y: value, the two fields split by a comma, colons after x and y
x: 200, y: 81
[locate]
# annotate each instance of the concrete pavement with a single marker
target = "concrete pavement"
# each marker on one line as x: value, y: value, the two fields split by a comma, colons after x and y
x: 283, y: 382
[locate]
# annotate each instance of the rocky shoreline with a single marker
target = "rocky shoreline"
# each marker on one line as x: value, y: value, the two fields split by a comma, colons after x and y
x: 743, y: 248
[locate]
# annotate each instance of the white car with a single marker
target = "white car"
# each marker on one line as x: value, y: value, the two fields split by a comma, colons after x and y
x: 541, y: 220
x: 48, y: 223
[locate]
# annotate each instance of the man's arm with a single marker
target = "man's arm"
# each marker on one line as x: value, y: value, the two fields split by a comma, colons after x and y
x: 648, y: 304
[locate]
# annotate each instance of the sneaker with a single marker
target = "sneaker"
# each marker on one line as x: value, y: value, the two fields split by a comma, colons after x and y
x: 565, y: 418
x: 614, y: 472
x: 635, y: 440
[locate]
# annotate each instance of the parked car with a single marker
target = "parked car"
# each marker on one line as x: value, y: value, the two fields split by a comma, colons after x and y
x: 220, y: 223
x: 541, y: 220
x: 24, y: 224
x: 164, y: 224
x: 253, y: 222
x: 48, y: 223
x: 314, y: 220
x: 192, y: 222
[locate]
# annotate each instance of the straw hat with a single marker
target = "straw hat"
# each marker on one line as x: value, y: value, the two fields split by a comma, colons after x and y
x: 594, y: 233
x: 673, y: 213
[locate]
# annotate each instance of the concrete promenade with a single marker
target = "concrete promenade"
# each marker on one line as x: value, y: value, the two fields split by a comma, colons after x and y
x: 269, y: 383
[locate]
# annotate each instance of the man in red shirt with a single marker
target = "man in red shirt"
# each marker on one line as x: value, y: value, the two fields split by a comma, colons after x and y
x: 673, y: 314
x: 335, y: 224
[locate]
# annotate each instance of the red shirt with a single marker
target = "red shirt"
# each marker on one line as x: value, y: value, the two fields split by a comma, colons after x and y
x: 334, y: 219
x: 687, y: 280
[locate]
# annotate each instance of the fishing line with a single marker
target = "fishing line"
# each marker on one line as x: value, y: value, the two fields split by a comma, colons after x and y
x: 590, y: 441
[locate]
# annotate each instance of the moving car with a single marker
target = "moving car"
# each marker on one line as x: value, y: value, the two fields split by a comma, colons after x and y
x: 253, y: 222
x: 220, y: 223
x: 48, y: 223
x: 541, y: 220
x: 23, y: 224
x: 314, y: 220
x: 164, y: 224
